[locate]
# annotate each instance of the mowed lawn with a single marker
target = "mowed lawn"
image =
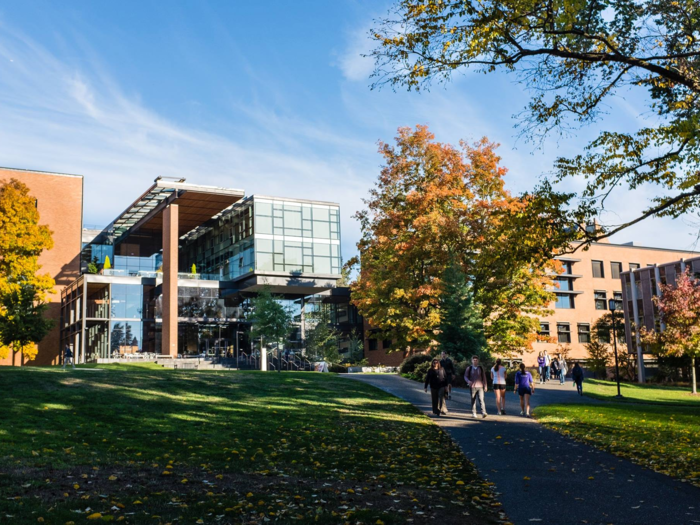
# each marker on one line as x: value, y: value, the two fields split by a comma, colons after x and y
x: 662, y: 438
x: 145, y: 445
x: 636, y: 393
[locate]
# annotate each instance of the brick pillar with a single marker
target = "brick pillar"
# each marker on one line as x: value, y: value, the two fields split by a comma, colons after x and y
x: 170, y: 267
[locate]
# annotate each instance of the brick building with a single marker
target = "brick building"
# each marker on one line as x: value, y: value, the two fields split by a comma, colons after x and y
x: 59, y: 199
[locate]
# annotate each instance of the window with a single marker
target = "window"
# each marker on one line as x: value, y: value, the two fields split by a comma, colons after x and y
x: 544, y: 330
x: 584, y: 333
x: 604, y: 335
x: 564, y: 283
x: 615, y: 269
x: 564, y: 301
x: 372, y: 344
x: 598, y: 269
x: 634, y: 266
x: 601, y: 300
x: 563, y: 333
x: 386, y: 344
x: 567, y: 267
x: 617, y: 296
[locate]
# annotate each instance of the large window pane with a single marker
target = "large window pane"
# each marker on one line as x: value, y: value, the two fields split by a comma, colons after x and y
x: 322, y: 264
x: 322, y: 230
x: 263, y: 225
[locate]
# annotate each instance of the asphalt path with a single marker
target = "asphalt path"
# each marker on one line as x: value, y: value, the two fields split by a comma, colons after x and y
x: 545, y: 477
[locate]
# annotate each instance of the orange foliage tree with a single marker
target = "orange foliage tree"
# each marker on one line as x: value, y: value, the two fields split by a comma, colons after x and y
x: 433, y: 204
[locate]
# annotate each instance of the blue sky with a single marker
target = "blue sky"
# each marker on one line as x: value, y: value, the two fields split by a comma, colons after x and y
x: 271, y: 97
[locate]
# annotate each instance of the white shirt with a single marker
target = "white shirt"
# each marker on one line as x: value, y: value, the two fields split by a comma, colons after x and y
x: 547, y: 360
x: 499, y: 377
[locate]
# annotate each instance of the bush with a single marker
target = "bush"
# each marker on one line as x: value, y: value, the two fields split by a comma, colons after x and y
x: 408, y: 366
x: 338, y: 369
x: 421, y: 370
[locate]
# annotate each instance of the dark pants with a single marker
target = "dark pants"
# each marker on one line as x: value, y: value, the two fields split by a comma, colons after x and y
x: 579, y: 385
x: 438, y: 398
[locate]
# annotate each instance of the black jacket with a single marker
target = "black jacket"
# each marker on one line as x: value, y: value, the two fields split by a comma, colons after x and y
x: 577, y: 373
x: 448, y: 365
x: 436, y: 378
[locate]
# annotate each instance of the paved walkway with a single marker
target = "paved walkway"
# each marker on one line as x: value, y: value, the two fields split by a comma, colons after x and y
x: 508, y: 448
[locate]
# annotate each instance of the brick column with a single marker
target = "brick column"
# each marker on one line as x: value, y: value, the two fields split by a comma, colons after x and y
x: 170, y: 267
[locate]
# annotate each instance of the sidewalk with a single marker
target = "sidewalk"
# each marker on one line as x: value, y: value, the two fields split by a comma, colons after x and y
x: 507, y: 449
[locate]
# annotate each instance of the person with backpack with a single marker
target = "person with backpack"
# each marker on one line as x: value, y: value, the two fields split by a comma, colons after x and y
x: 475, y: 378
x: 555, y: 368
x: 437, y: 379
x: 68, y: 356
x: 577, y: 376
x: 498, y: 379
x: 449, y: 367
x: 524, y: 387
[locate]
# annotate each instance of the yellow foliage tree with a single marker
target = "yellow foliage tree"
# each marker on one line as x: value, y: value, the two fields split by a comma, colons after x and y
x: 23, y: 290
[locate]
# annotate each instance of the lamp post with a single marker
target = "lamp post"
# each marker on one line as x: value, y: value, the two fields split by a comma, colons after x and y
x: 612, y: 305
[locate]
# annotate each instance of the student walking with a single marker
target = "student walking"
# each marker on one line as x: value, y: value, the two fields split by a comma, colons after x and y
x: 563, y: 369
x: 524, y: 387
x: 555, y: 368
x: 68, y: 356
x: 540, y: 367
x: 547, y: 365
x: 476, y: 381
x: 577, y: 376
x: 449, y: 367
x: 498, y: 378
x: 437, y: 379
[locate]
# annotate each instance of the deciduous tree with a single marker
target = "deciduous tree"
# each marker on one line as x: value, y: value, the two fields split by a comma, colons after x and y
x: 322, y: 338
x: 434, y: 203
x: 679, y: 309
x: 23, y: 289
x: 270, y: 319
x: 575, y: 56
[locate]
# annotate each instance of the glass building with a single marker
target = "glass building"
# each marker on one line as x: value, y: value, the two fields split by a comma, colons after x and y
x: 175, y: 273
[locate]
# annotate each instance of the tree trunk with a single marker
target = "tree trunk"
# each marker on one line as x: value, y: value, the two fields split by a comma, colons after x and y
x: 692, y: 375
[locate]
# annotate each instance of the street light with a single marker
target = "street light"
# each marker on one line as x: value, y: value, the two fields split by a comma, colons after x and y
x: 612, y: 305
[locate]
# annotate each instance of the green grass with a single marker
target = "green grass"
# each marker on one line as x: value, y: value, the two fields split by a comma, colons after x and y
x: 665, y: 439
x: 138, y: 444
x: 636, y: 393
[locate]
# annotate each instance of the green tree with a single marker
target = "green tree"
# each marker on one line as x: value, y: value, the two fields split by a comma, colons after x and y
x: 356, y: 347
x: 270, y: 320
x: 598, y: 358
x: 574, y: 56
x: 345, y: 279
x: 322, y: 337
x: 23, y: 290
x: 461, y: 329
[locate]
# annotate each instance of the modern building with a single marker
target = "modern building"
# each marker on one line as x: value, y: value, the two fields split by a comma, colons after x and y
x: 639, y: 287
x: 588, y: 279
x: 174, y: 274
x: 59, y: 200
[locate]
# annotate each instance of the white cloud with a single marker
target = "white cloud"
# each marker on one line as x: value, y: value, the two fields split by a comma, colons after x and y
x: 352, y: 62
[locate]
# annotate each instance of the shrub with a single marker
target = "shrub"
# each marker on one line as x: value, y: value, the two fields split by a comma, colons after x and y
x: 408, y: 366
x: 338, y: 369
x: 421, y: 370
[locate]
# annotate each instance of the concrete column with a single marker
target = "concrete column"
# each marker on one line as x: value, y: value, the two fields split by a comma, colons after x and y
x: 657, y: 276
x: 263, y: 356
x: 170, y: 267
x: 640, y: 354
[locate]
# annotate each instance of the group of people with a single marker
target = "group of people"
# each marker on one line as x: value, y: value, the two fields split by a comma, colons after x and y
x: 551, y: 368
x: 441, y: 376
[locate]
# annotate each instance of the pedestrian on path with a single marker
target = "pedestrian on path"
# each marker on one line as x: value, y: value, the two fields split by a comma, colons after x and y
x: 540, y: 367
x: 476, y: 381
x: 68, y: 357
x: 577, y: 376
x: 449, y: 366
x: 498, y: 378
x: 555, y: 368
x: 564, y: 369
x: 524, y: 387
x: 437, y: 379
x: 547, y: 366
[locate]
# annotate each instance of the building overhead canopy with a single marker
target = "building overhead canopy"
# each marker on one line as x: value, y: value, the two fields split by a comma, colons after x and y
x: 196, y: 204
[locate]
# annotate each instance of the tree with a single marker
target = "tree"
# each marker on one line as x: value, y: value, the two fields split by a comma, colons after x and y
x: 23, y: 290
x: 270, y: 319
x: 679, y: 310
x: 356, y: 347
x: 322, y: 338
x: 345, y: 278
x: 574, y: 56
x: 461, y: 329
x: 598, y: 358
x: 602, y: 329
x: 434, y: 204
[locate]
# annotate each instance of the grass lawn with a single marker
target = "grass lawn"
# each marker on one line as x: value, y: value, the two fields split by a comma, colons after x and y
x: 138, y: 444
x: 665, y: 439
x: 636, y: 393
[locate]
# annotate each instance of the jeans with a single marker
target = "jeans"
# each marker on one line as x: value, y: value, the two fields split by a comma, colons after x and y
x: 541, y: 371
x: 562, y: 375
x: 478, y: 392
x: 546, y: 373
x: 438, y: 399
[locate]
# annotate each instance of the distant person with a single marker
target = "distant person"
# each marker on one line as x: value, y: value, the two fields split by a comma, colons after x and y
x: 68, y: 356
x: 524, y: 387
x: 437, y: 379
x: 555, y: 368
x: 547, y: 365
x: 475, y: 378
x: 540, y: 366
x: 577, y: 376
x: 449, y: 367
x: 498, y: 378
x: 563, y: 368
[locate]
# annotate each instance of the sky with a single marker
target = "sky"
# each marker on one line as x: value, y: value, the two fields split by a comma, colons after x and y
x: 272, y: 97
